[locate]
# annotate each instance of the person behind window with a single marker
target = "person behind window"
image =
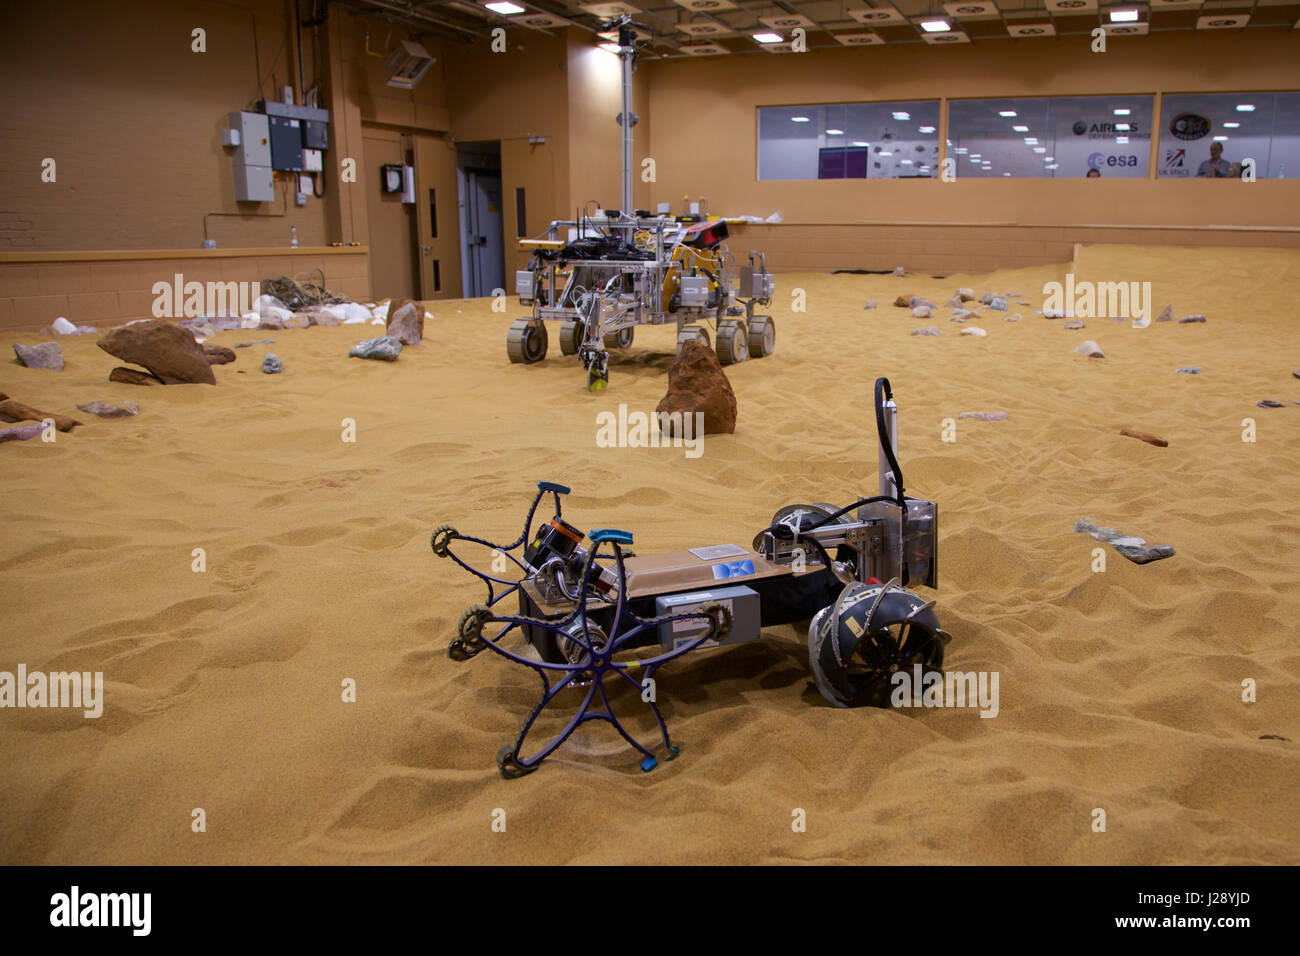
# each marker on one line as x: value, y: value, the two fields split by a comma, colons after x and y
x: 1216, y: 167
x: 1093, y: 174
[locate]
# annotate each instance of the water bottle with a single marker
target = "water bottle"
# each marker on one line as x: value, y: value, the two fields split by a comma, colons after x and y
x: 293, y: 237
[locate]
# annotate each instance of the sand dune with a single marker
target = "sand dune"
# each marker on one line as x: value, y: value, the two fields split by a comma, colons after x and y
x: 1119, y: 690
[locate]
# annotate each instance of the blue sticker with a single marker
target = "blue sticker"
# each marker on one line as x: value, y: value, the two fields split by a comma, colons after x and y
x: 733, y: 569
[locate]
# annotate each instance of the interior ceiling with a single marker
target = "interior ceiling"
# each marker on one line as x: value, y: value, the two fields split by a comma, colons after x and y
x: 727, y: 26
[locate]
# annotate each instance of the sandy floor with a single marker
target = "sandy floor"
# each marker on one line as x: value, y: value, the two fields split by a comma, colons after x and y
x: 1119, y: 690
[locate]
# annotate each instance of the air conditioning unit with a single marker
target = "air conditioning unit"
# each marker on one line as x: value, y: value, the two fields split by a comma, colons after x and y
x: 408, y: 62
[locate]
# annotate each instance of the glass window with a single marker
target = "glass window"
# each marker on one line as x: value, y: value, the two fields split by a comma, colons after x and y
x: 849, y: 141
x: 1059, y: 137
x: 1210, y: 134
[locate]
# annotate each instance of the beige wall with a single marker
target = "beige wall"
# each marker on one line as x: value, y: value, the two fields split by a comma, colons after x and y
x: 704, y: 134
x: 132, y: 118
x: 394, y: 266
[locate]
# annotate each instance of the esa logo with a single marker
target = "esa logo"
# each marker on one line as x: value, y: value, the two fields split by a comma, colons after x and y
x: 1098, y: 160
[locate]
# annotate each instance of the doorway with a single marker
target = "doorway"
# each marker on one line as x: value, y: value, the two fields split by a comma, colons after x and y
x: 482, y: 223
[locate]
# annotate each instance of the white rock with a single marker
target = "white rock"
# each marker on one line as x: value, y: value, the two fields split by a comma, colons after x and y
x: 64, y: 327
x: 974, y: 330
x: 381, y: 311
x: 249, y: 320
x: 372, y: 322
x: 921, y: 312
x: 271, y: 307
x: 1142, y: 321
x: 1091, y: 349
x: 354, y: 310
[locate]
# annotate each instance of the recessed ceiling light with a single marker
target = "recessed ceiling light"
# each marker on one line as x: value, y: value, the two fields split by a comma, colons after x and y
x: 1031, y: 140
x: 504, y: 7
x: 1006, y: 112
x: 1220, y: 139
x: 1121, y: 140
x: 905, y: 162
x: 769, y: 38
x: 961, y: 150
x: 1245, y: 108
x: 858, y: 142
x: 1123, y: 16
x: 800, y: 119
x: 925, y: 129
x: 935, y: 26
x: 1123, y: 126
x: 884, y: 154
x: 1021, y: 129
x: 1122, y: 112
x: 1049, y: 159
x: 835, y: 132
x: 1231, y: 125
x: 908, y: 116
x: 1040, y: 149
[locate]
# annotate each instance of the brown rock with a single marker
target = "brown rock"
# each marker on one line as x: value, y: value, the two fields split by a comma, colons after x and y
x: 166, y: 350
x: 217, y: 354
x: 696, y: 383
x: 132, y: 376
x: 903, y: 302
x: 1144, y: 436
x: 1167, y: 315
x: 406, y: 321
x: 321, y: 317
x: 297, y: 321
x: 11, y: 411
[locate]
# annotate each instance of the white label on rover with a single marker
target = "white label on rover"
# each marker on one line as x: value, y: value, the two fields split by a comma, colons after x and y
x: 718, y: 551
x: 695, y: 625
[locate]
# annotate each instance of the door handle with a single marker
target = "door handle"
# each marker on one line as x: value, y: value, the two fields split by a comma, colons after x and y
x: 426, y: 250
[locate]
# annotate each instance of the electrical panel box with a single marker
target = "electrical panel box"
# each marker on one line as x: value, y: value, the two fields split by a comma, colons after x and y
x: 254, y: 139
x: 315, y: 135
x: 524, y: 286
x: 286, y: 143
x: 742, y: 602
x: 254, y: 184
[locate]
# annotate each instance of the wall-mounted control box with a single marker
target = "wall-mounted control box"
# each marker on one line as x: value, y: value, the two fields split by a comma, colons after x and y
x: 251, y: 159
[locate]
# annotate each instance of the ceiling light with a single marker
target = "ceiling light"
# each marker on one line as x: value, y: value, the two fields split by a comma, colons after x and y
x: 907, y: 116
x: 1245, y: 108
x: 1006, y: 112
x: 1021, y: 129
x: 1123, y: 16
x: 1040, y: 149
x: 961, y: 150
x: 905, y: 162
x: 1031, y: 140
x: 1231, y: 125
x: 835, y: 132
x: 1053, y: 166
x: 1122, y: 112
x: 1121, y: 140
x: 1220, y: 139
x: 504, y: 7
x: 884, y: 154
x: 925, y: 129
x: 935, y: 26
x: 800, y: 119
x: 769, y: 38
x: 860, y: 143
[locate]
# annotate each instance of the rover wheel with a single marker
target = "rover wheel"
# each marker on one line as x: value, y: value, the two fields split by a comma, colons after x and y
x: 526, y: 341
x: 571, y: 334
x: 733, y: 346
x: 620, y: 339
x: 691, y: 332
x: 762, y: 336
x: 872, y: 632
